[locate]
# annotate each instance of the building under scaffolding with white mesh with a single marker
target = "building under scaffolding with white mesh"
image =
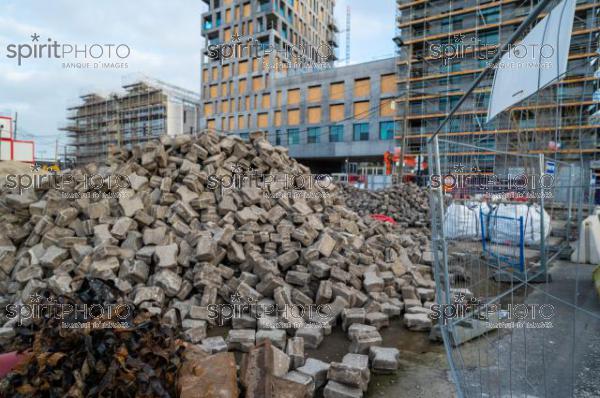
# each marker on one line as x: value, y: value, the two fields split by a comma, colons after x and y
x: 147, y: 109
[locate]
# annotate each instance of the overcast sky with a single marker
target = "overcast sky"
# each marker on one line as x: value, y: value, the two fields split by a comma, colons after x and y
x: 163, y: 38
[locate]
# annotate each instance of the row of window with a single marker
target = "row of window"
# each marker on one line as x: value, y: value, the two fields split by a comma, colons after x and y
x: 295, y: 15
x: 446, y: 103
x: 487, y: 16
x: 312, y: 115
x: 488, y: 38
x: 455, y: 80
x: 362, y: 87
x: 334, y: 133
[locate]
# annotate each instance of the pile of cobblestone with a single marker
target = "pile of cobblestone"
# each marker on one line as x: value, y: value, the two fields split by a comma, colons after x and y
x: 407, y: 204
x: 191, y: 229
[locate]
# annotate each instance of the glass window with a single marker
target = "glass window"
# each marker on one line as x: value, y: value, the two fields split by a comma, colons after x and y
x: 361, y: 132
x: 456, y: 80
x: 447, y: 103
x: 278, y: 137
x: 284, y: 32
x: 491, y: 15
x: 443, y: 104
x: 456, y: 125
x: 483, y: 98
x: 455, y: 23
x: 456, y: 67
x: 313, y: 135
x: 293, y: 136
x: 386, y: 130
x: 488, y: 38
x: 454, y: 100
x: 336, y: 133
x: 245, y: 136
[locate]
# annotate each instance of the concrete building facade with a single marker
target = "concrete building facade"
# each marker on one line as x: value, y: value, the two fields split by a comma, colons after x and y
x: 146, y: 109
x: 335, y: 116
x: 268, y: 65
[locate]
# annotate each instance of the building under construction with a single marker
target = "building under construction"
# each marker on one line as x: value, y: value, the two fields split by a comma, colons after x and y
x: 444, y: 45
x: 147, y: 109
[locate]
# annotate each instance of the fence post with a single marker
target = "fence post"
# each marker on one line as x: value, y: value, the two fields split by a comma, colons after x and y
x: 570, y: 191
x: 440, y: 255
x: 591, y: 194
x: 521, y: 246
x: 542, y: 232
x: 482, y: 222
x: 570, y: 210
x: 439, y: 210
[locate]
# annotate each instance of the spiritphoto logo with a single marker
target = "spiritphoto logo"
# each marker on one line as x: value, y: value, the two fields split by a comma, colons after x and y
x: 288, y: 184
x: 72, y: 55
x: 71, y: 315
x: 495, y: 314
x: 292, y: 314
x: 71, y: 185
x: 509, y: 185
x: 300, y: 56
x: 461, y: 47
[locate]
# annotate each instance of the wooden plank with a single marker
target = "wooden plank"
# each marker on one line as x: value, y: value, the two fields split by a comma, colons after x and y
x: 519, y: 108
x: 513, y: 21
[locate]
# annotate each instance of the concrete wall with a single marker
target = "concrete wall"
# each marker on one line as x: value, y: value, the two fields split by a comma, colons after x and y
x: 177, y: 122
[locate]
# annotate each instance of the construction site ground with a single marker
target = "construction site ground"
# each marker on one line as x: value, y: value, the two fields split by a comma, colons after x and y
x: 566, y: 357
x: 560, y: 361
x: 573, y: 342
x: 423, y: 370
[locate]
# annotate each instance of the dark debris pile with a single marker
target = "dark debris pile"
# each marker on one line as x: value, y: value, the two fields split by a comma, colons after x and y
x: 139, y: 361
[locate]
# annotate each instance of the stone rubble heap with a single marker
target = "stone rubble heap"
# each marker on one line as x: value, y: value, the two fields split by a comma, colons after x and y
x: 175, y: 247
x: 407, y: 204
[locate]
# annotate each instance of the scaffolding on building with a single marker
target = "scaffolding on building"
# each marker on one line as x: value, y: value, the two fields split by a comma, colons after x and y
x: 445, y: 45
x: 124, y: 119
x: 499, y: 243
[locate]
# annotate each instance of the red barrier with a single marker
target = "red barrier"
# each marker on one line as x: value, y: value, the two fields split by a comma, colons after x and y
x: 383, y: 217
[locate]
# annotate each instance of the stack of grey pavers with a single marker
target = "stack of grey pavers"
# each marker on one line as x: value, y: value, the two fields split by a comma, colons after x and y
x: 174, y: 246
x: 349, y: 378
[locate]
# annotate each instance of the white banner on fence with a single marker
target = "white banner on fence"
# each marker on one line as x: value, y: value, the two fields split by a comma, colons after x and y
x: 535, y: 62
